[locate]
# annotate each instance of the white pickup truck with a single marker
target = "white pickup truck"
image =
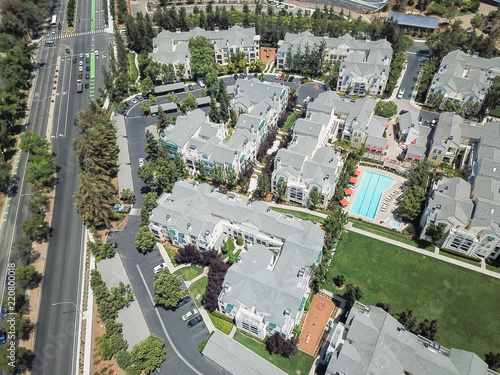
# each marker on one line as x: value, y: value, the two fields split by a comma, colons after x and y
x: 159, y: 267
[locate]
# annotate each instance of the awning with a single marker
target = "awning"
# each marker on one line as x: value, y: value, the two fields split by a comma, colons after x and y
x: 380, y: 150
x: 319, y: 256
x: 368, y: 147
x: 344, y: 202
x: 490, y: 238
x: 357, y: 173
x: 348, y: 191
x: 229, y: 307
x: 272, y: 326
x: 418, y: 158
x: 387, y: 146
x: 302, y: 303
x: 414, y: 141
x: 353, y: 180
x: 387, y: 126
x: 410, y: 156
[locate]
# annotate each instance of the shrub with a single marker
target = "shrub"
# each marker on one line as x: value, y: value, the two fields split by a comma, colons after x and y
x: 459, y: 254
x: 239, y: 241
x: 123, y: 359
x: 104, y: 347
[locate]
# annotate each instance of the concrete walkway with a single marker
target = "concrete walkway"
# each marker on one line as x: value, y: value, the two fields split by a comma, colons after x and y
x: 434, y: 255
x: 167, y: 260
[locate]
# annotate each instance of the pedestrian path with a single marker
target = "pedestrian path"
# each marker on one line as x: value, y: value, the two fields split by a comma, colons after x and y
x: 435, y: 255
x: 64, y: 36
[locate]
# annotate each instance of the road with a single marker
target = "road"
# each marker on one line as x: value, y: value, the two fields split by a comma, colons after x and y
x: 57, y: 331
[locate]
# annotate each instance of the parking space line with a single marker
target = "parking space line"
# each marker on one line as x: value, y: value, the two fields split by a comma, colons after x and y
x: 163, y: 325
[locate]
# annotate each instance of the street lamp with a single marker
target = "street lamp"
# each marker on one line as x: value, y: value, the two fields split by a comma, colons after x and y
x: 72, y: 303
x: 25, y: 195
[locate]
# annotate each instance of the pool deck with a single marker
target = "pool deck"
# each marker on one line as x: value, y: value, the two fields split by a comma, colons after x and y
x: 381, y: 218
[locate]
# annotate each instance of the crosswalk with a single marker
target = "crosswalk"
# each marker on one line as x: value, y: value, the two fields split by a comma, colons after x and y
x: 77, y: 34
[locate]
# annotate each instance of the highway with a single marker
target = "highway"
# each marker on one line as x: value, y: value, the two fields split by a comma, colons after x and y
x: 54, y: 105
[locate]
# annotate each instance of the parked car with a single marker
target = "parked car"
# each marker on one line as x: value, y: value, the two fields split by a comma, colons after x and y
x: 81, y: 55
x: 141, y: 163
x: 96, y: 52
x: 235, y: 76
x: 434, y: 121
x: 255, y: 75
x: 80, y: 68
x: 190, y: 314
x: 80, y: 75
x: 87, y: 60
x: 87, y: 85
x: 4, y: 312
x: 87, y: 68
x: 138, y: 97
x: 3, y: 337
x: 67, y: 50
x: 87, y: 75
x: 403, y: 112
x: 114, y: 244
x: 80, y: 63
x: 277, y: 76
x: 190, y: 87
x: 291, y: 78
x: 184, y: 301
x: 87, y: 55
x: 196, y: 320
x: 420, y: 120
x: 401, y: 93
x: 75, y: 60
x: 282, y: 77
x: 134, y: 100
x: 159, y: 267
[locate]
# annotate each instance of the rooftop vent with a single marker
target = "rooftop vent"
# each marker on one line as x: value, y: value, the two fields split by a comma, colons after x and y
x: 289, y: 216
x: 207, y: 233
x: 216, y: 28
x: 212, y: 190
x: 167, y: 217
x: 177, y: 29
x: 367, y: 311
x: 402, y: 329
x: 446, y: 188
x: 231, y: 196
x: 192, y: 147
x: 188, y: 226
x: 301, y: 272
x: 268, y: 209
x: 287, y: 312
x: 438, y: 206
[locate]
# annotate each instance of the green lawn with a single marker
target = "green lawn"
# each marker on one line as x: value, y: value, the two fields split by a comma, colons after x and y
x: 465, y: 302
x: 221, y: 325
x: 171, y: 254
x: 299, y: 362
x: 189, y: 272
x: 290, y: 121
x: 198, y: 287
x: 134, y: 73
x: 493, y: 265
x: 299, y: 214
x: 388, y: 233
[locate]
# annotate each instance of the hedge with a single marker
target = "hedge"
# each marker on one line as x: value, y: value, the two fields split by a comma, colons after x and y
x: 461, y: 255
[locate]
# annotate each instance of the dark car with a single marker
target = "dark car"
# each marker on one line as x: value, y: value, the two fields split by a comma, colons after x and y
x: 291, y: 79
x: 403, y: 112
x: 87, y: 60
x: 87, y: 68
x: 114, y: 244
x: 3, y: 337
x: 145, y: 96
x: 87, y: 76
x: 190, y: 87
x: 75, y: 60
x: 139, y: 97
x: 75, y: 121
x: 67, y: 50
x: 235, y: 76
x: 255, y: 75
x: 196, y: 320
x: 87, y: 86
x: 183, y: 301
x: 4, y: 312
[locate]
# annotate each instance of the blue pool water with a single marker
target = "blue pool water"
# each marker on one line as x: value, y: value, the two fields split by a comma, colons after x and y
x: 369, y: 194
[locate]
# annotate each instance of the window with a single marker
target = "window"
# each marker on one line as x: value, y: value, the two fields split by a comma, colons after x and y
x: 245, y: 326
x: 254, y: 330
x: 356, y: 140
x: 434, y: 157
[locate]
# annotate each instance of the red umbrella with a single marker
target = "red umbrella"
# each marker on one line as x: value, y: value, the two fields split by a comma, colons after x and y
x: 344, y: 202
x: 348, y: 191
x: 410, y: 156
x: 353, y: 180
x: 357, y: 173
x: 418, y: 158
x: 380, y: 150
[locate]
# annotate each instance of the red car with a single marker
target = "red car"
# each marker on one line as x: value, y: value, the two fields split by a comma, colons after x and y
x: 79, y: 75
x: 282, y: 77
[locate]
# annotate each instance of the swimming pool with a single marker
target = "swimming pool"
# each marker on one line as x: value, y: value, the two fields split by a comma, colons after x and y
x: 369, y: 194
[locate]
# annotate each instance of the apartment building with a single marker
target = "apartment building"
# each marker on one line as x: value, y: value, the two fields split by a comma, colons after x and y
x: 309, y: 163
x: 364, y: 67
x: 463, y: 78
x: 265, y: 291
x: 373, y: 342
x: 470, y: 211
x: 172, y: 47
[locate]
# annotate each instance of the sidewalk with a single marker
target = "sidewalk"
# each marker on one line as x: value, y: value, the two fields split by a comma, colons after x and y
x: 434, y: 255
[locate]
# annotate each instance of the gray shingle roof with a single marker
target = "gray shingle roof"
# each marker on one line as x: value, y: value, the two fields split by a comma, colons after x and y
x: 236, y: 358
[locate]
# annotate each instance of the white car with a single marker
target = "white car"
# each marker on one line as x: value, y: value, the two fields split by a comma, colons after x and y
x: 141, y: 162
x: 96, y: 52
x: 81, y: 55
x: 80, y: 63
x: 159, y: 267
x: 134, y: 100
x: 401, y: 93
x: 190, y: 314
x: 277, y: 76
x: 87, y: 55
x: 80, y: 68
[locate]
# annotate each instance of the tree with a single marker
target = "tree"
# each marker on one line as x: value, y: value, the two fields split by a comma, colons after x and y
x: 492, y: 97
x: 386, y: 109
x: 202, y: 59
x: 493, y: 360
x: 339, y: 280
x: 411, y: 205
x: 35, y: 227
x: 163, y: 121
x: 23, y: 249
x: 127, y: 195
x: 276, y: 344
x: 353, y: 293
x: 27, y: 276
x: 435, y: 232
x: 148, y: 354
x: 228, y: 246
x: 334, y: 226
x: 231, y: 178
x: 22, y: 325
x: 149, y: 202
x: 239, y: 241
x: 281, y: 191
x: 189, y: 102
x: 408, y: 319
x: 450, y: 106
x: 145, y: 240
x: 314, y: 198
x: 23, y: 359
x: 428, y: 329
x: 263, y: 185
x: 167, y: 288
x: 384, y: 306
x: 147, y: 85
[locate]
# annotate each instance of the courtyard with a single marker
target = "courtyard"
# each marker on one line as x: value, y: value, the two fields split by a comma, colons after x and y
x: 464, y: 302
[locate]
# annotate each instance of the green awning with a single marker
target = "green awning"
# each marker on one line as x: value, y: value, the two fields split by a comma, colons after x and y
x: 283, y: 105
x: 172, y: 231
x: 283, y: 93
x: 242, y: 157
x: 302, y: 303
x: 262, y: 124
x: 375, y: 79
x: 229, y: 308
x: 168, y: 144
x: 272, y: 325
x: 319, y: 256
x: 181, y: 235
x: 263, y: 136
x: 490, y: 238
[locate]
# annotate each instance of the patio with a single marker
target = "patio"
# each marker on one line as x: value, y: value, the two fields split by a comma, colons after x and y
x: 315, y: 324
